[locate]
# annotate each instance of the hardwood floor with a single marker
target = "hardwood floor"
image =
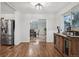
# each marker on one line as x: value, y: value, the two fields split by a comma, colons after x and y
x: 32, y: 49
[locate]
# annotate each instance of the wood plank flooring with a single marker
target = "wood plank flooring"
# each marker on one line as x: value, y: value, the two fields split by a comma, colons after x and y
x: 32, y: 49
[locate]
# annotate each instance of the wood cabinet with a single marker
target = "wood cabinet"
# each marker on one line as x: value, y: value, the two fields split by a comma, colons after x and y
x: 66, y: 45
x: 74, y: 47
x: 59, y: 43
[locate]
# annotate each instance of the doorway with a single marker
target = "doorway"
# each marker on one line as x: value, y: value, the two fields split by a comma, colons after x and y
x: 38, y: 30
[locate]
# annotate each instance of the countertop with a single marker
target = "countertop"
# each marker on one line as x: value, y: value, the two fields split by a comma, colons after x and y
x: 67, y: 36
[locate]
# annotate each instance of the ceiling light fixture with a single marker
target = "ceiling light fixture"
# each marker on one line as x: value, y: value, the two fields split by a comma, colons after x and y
x: 38, y: 5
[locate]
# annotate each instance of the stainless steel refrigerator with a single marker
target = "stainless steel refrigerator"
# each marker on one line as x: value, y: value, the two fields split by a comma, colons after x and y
x: 7, y: 32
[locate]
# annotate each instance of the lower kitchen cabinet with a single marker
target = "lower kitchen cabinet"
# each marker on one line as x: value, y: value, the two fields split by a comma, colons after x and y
x: 66, y: 45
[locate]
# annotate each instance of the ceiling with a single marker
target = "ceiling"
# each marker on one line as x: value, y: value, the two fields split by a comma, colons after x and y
x: 27, y: 7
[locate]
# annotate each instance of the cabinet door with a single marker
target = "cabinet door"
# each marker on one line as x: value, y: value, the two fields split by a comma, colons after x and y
x: 57, y: 41
x: 74, y: 47
x: 61, y: 44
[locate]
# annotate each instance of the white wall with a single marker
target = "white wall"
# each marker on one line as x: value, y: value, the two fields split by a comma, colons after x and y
x: 0, y: 7
x: 8, y: 16
x: 6, y: 9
